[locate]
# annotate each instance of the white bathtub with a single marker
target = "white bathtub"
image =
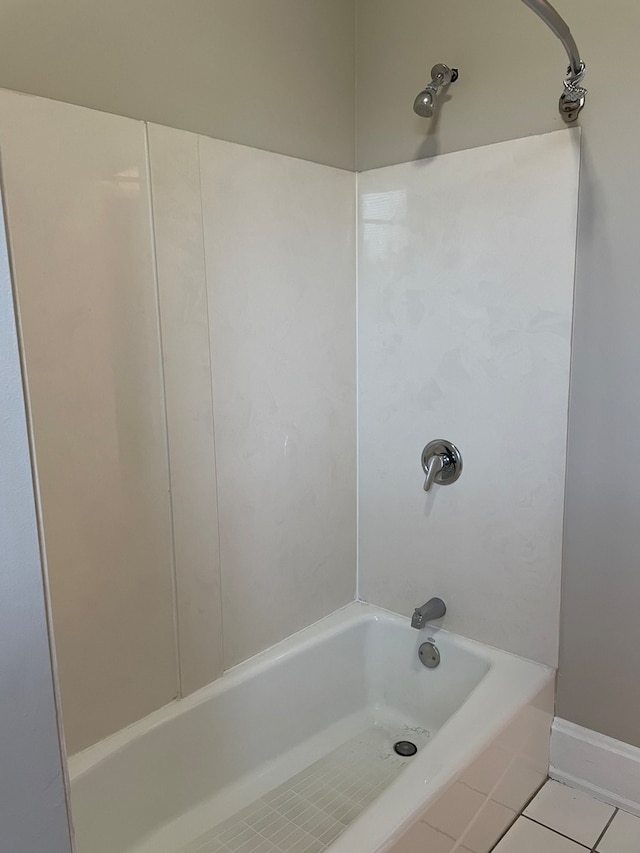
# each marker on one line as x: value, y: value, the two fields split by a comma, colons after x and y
x: 481, y: 715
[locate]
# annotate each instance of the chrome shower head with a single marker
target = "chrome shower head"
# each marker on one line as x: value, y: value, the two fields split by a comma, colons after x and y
x: 441, y: 75
x: 425, y: 102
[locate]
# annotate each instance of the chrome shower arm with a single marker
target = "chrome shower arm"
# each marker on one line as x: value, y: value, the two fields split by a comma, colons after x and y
x: 574, y: 94
x: 560, y: 28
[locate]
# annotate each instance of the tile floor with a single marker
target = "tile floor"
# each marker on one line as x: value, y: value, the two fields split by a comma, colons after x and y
x: 562, y: 820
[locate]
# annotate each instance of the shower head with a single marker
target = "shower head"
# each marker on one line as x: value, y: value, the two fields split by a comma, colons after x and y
x: 441, y: 75
x: 424, y: 103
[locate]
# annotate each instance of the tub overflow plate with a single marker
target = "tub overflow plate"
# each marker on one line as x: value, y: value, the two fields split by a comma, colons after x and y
x: 429, y: 655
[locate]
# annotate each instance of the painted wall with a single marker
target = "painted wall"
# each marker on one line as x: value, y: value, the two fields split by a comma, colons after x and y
x: 599, y: 688
x: 464, y: 334
x: 277, y: 75
x: 511, y: 71
x: 149, y: 288
x: 33, y: 810
x: 511, y: 67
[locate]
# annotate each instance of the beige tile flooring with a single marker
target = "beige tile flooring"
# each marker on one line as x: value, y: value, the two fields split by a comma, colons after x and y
x: 562, y: 820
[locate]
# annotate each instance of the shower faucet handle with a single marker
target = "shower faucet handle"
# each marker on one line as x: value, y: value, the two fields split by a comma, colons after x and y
x: 434, y: 465
x: 441, y: 463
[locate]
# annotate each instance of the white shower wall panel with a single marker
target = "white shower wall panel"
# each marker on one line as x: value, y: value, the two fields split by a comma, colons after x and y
x: 182, y: 296
x: 77, y: 196
x: 256, y: 274
x: 466, y: 271
x: 280, y: 264
x: 150, y: 336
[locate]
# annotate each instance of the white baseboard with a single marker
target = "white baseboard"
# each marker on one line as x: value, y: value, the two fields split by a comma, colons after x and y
x: 606, y: 768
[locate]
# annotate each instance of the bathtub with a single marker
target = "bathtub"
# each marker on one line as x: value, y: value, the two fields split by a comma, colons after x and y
x: 293, y: 750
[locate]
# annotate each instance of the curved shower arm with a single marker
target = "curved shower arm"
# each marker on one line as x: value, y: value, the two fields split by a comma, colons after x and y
x: 573, y: 96
x: 560, y: 28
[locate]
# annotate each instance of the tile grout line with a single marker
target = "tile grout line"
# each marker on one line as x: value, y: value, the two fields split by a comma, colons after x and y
x: 604, y: 831
x: 520, y: 813
x: 556, y: 832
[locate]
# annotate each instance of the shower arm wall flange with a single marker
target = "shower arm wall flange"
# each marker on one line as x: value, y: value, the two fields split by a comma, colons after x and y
x: 573, y: 97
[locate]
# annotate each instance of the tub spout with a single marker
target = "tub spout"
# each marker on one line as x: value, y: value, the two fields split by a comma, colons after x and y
x: 435, y: 608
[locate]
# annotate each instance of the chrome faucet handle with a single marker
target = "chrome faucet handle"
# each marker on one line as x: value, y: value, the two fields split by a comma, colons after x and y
x: 434, y: 466
x: 441, y: 463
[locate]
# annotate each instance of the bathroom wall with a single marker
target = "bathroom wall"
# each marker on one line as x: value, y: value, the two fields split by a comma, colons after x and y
x: 32, y: 794
x: 272, y: 272
x: 139, y: 314
x: 599, y: 687
x: 277, y: 75
x: 78, y: 215
x: 511, y: 71
x: 465, y: 298
x: 511, y: 67
x: 208, y: 317
x: 182, y: 296
x: 189, y: 319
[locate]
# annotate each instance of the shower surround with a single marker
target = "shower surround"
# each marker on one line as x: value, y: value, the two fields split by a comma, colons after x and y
x: 197, y: 454
x: 465, y: 298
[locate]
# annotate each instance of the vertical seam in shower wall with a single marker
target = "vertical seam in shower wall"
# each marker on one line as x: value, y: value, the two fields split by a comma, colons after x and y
x: 154, y: 262
x: 357, y: 384
x: 213, y: 400
x: 566, y: 449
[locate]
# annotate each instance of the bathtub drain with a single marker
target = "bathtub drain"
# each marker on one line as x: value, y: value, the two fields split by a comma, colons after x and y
x: 405, y: 748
